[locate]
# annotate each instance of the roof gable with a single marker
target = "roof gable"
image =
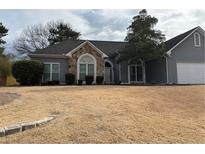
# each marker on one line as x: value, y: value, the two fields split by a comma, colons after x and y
x: 84, y: 43
x: 174, y: 42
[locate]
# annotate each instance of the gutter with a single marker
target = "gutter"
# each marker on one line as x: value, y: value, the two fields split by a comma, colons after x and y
x: 48, y: 56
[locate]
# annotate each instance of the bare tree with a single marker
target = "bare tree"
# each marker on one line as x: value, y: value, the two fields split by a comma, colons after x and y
x: 60, y: 31
x: 38, y: 36
x: 31, y: 39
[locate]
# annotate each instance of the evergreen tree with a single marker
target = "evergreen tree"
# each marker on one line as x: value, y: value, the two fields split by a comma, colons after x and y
x: 144, y: 42
x: 5, y: 67
x: 3, y: 32
x: 61, y: 31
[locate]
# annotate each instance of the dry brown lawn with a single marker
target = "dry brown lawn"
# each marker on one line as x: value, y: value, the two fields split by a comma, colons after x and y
x: 107, y: 114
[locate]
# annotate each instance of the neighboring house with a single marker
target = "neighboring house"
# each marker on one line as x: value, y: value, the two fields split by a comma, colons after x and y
x: 184, y: 62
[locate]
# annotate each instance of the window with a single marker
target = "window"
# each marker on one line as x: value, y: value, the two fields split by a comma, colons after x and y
x: 82, y: 71
x: 136, y: 73
x: 86, y: 66
x: 46, y: 75
x: 197, y: 40
x: 91, y: 69
x: 51, y: 72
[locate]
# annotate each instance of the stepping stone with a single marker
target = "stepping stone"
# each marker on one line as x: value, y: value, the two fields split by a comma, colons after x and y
x: 2, y: 132
x: 28, y: 125
x: 44, y: 121
x: 12, y: 129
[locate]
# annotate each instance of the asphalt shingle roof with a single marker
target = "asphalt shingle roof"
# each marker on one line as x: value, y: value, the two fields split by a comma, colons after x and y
x: 172, y: 42
x: 110, y: 48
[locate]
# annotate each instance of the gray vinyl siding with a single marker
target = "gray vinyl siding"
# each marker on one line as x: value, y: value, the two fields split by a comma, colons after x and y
x: 114, y: 67
x: 124, y: 72
x: 116, y: 70
x: 63, y: 66
x: 156, y: 71
x: 185, y: 52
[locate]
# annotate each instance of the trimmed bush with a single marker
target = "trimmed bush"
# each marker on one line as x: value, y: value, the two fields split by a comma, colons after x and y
x: 54, y: 82
x: 69, y: 78
x: 28, y: 72
x: 80, y: 82
x: 99, y: 79
x: 89, y: 79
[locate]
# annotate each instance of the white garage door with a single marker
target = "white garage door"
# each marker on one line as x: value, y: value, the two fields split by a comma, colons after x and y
x: 191, y: 73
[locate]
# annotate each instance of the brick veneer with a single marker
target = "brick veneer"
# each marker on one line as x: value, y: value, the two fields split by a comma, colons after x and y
x: 86, y: 49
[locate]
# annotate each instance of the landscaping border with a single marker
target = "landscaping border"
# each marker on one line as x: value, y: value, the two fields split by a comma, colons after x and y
x: 16, y: 128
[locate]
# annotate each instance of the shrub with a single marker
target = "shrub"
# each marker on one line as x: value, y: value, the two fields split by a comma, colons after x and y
x: 28, y: 72
x: 69, y: 78
x: 5, y: 66
x: 54, y: 82
x: 80, y: 82
x: 99, y: 79
x: 89, y: 79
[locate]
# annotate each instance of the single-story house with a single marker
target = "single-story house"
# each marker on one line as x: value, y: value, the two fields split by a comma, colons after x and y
x: 184, y: 62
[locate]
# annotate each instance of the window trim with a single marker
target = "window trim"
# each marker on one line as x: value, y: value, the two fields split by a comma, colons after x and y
x: 51, y: 73
x: 78, y: 65
x: 143, y: 73
x: 86, y: 68
x: 196, y: 34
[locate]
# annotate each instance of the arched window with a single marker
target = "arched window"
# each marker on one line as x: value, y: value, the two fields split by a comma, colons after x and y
x: 86, y: 66
x: 197, y: 40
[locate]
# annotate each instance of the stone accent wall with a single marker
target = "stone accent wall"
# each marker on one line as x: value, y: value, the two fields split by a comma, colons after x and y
x: 86, y: 49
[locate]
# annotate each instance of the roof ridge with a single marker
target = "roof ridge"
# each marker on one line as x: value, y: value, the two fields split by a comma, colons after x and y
x: 169, y: 44
x: 95, y: 40
x: 108, y: 41
x: 188, y: 32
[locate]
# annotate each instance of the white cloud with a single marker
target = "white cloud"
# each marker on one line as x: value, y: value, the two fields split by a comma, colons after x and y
x: 107, y: 34
x: 100, y: 24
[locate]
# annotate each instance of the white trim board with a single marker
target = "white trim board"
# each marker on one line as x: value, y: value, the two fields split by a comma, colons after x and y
x: 78, y: 66
x: 196, y: 34
x: 143, y: 73
x: 82, y: 44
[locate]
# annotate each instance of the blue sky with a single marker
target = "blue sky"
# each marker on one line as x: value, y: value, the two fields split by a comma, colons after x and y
x: 99, y: 24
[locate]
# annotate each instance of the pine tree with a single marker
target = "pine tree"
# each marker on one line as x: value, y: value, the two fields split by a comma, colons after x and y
x: 3, y: 32
x: 5, y: 67
x: 60, y: 32
x: 144, y: 42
